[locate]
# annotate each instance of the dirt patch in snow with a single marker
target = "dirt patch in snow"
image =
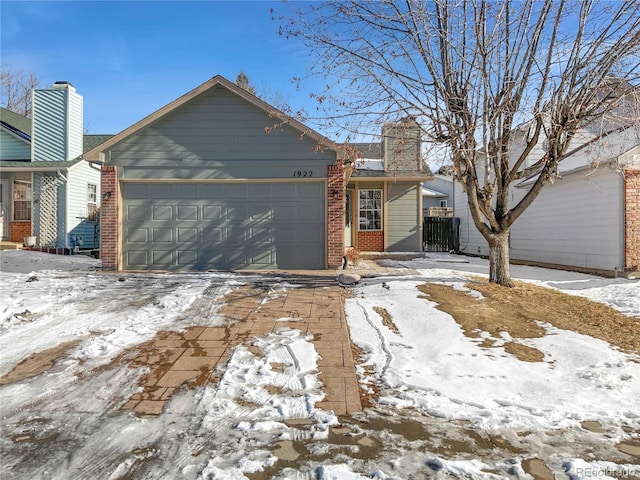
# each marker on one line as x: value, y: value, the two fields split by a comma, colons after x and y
x: 387, y: 321
x: 507, y: 314
x: 37, y: 363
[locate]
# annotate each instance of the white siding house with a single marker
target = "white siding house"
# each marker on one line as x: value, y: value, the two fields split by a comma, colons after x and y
x: 586, y: 219
x: 47, y: 191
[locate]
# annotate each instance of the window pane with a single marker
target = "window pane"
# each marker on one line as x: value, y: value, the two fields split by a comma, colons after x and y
x: 370, y: 209
x: 21, y: 200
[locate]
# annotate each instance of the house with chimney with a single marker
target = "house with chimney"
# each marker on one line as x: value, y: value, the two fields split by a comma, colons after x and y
x: 384, y: 193
x: 49, y: 197
x: 219, y: 179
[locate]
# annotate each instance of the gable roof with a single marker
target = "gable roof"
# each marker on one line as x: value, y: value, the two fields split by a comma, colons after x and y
x: 367, y: 150
x: 218, y: 80
x: 17, y: 124
x: 91, y: 141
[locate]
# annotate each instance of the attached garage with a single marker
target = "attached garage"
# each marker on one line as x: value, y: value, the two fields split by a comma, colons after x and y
x: 218, y: 179
x: 224, y: 225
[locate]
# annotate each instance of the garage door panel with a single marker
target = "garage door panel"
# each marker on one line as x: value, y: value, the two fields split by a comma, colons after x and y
x: 137, y: 191
x: 260, y: 190
x: 187, y: 235
x: 186, y: 191
x: 286, y: 213
x: 212, y: 235
x: 212, y: 212
x: 236, y: 213
x: 136, y: 213
x: 162, y: 235
x: 236, y: 190
x: 187, y: 258
x: 224, y: 226
x: 260, y: 212
x: 136, y: 235
x: 137, y: 258
x: 162, y: 259
x: 161, y: 191
x: 187, y: 212
x: 286, y: 190
x: 161, y: 212
x: 314, y: 191
x: 307, y: 212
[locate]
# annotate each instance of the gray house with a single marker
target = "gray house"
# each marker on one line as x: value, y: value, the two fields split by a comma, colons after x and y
x: 219, y: 179
x: 47, y: 193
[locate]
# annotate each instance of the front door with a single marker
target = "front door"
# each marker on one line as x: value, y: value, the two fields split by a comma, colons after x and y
x: 4, y: 209
x: 348, y: 215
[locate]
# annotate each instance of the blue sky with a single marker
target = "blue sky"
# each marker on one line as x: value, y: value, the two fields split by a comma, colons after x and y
x: 129, y: 58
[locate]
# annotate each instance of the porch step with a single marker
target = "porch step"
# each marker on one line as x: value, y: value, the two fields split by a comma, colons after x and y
x: 11, y: 246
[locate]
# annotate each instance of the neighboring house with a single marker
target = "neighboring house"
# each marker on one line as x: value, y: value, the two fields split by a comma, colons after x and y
x: 588, y: 219
x: 46, y: 190
x: 219, y: 179
x: 383, y: 197
x: 437, y: 196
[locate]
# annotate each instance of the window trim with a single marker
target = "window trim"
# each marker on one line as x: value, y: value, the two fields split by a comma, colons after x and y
x: 443, y: 204
x: 373, y: 210
x: 15, y: 199
x: 92, y: 213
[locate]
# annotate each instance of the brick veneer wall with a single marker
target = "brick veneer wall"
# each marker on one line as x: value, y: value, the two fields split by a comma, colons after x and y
x: 335, y: 221
x: 19, y: 230
x: 632, y: 220
x: 371, y: 241
x: 109, y: 218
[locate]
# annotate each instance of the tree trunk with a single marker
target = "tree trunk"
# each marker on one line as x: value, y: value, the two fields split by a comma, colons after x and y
x: 499, y: 259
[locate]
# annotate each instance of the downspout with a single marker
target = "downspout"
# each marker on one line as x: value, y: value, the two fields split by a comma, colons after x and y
x: 622, y: 259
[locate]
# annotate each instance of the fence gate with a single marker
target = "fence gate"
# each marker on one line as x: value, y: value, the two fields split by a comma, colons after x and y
x: 441, y: 234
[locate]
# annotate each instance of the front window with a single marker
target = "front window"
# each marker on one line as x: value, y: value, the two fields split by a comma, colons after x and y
x: 21, y: 201
x: 370, y: 209
x: 443, y: 203
x: 92, y: 201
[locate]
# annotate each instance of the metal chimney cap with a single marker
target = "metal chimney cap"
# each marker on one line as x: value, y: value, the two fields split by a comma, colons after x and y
x: 62, y: 84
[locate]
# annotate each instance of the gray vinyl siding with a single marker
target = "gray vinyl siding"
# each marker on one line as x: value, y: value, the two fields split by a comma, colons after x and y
x: 218, y: 135
x: 81, y: 230
x: 404, y: 220
x: 12, y: 148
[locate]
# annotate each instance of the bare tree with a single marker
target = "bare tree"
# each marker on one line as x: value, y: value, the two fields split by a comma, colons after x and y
x: 243, y: 82
x: 16, y: 86
x: 472, y: 71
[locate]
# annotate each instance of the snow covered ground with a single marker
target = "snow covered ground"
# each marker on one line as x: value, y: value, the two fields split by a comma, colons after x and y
x: 66, y: 423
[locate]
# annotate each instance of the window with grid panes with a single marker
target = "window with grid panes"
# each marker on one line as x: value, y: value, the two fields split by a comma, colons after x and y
x: 21, y: 200
x: 370, y: 209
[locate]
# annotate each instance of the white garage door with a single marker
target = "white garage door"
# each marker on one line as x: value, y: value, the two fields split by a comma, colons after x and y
x: 224, y: 226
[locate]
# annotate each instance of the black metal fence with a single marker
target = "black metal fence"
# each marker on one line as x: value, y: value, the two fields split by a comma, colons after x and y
x: 441, y: 234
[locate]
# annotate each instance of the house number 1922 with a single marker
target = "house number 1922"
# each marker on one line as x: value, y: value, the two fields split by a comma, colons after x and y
x: 303, y: 173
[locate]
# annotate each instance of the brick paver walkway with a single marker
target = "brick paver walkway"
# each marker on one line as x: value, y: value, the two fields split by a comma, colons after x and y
x: 184, y: 359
